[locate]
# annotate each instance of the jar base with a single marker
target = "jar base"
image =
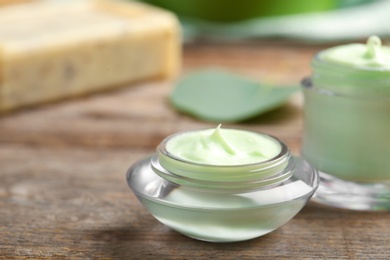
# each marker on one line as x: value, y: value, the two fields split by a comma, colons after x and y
x: 350, y: 195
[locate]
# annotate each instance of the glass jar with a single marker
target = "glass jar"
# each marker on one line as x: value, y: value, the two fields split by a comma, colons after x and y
x: 346, y: 134
x: 221, y: 203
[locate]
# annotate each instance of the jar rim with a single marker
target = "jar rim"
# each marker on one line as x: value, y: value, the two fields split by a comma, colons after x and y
x: 189, y: 173
x: 161, y: 148
x: 334, y: 79
x: 308, y: 85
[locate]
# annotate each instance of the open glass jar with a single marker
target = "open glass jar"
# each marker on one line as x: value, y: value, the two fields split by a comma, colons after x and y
x: 346, y: 134
x: 222, y: 203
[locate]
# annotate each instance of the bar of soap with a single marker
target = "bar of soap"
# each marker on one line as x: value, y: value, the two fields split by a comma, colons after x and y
x: 51, y: 50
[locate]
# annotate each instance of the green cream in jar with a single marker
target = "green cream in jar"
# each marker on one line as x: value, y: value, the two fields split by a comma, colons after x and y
x: 223, y: 147
x: 347, y: 123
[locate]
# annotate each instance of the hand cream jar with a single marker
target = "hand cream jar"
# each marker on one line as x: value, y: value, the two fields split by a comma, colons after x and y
x: 347, y: 125
x: 222, y: 185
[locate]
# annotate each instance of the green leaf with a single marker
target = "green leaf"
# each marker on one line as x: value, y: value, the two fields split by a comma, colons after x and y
x: 220, y: 96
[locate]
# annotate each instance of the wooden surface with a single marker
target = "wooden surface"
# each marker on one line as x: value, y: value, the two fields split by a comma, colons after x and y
x: 63, y: 192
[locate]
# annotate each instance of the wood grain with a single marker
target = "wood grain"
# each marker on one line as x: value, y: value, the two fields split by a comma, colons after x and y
x: 62, y: 169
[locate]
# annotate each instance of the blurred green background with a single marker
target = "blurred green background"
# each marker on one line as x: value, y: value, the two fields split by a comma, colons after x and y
x: 317, y: 21
x: 233, y: 10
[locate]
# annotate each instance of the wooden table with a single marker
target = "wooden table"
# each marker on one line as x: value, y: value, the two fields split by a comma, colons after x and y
x: 63, y: 192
